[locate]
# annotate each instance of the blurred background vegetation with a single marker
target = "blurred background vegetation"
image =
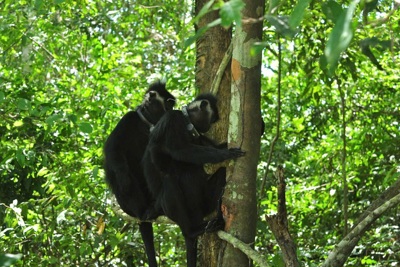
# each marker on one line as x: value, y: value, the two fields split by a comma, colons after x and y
x: 69, y: 70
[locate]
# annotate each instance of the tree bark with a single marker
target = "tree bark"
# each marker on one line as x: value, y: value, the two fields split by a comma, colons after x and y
x: 210, y: 51
x: 239, y: 201
x: 279, y: 225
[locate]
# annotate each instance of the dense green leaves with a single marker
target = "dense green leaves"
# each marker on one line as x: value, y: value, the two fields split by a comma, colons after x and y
x: 68, y: 72
x: 8, y: 259
x: 230, y: 12
x: 340, y: 37
x: 298, y: 13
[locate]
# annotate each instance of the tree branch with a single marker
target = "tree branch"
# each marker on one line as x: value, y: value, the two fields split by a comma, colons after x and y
x: 344, y: 158
x: 388, y: 199
x: 118, y: 211
x: 278, y: 121
x: 383, y: 20
x: 279, y: 225
x: 245, y: 248
x: 221, y: 70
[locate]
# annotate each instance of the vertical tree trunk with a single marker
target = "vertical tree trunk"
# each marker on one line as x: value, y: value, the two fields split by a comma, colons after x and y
x: 239, y: 201
x: 210, y: 49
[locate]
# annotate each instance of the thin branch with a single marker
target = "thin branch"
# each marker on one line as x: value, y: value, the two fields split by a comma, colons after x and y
x: 278, y: 121
x: 118, y: 211
x: 42, y: 47
x: 344, y: 158
x: 278, y: 224
x: 343, y: 250
x: 221, y: 70
x: 245, y: 248
x: 18, y: 39
x: 247, y: 20
x: 383, y: 20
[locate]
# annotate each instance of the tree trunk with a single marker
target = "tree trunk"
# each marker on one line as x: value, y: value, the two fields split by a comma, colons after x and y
x: 239, y: 201
x: 210, y: 50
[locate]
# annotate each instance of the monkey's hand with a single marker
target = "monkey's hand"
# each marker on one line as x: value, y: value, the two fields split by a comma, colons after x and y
x: 236, y: 152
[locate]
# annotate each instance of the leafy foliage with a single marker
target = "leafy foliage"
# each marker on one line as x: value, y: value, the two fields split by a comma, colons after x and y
x: 69, y: 71
x: 68, y: 74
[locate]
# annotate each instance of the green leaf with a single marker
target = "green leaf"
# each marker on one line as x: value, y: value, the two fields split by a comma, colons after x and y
x: 23, y: 104
x: 9, y: 259
x: 2, y: 97
x: 18, y: 123
x: 231, y: 12
x: 298, y: 13
x: 200, y: 32
x: 85, y: 127
x: 204, y: 10
x: 19, y: 155
x: 273, y: 7
x: 53, y: 118
x: 340, y: 37
x: 332, y: 10
x: 95, y: 172
x: 43, y: 171
x: 281, y: 24
x: 257, y: 48
x: 298, y: 124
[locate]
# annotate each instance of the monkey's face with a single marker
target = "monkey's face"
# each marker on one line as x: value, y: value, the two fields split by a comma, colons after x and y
x: 156, y: 105
x: 201, y: 115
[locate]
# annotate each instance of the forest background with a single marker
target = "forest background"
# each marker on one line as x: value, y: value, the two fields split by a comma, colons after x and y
x: 69, y: 70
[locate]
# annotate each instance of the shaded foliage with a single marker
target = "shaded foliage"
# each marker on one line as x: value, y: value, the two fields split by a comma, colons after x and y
x: 69, y: 71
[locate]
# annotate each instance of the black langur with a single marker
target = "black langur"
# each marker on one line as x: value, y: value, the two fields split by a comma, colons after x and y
x: 173, y: 166
x: 123, y: 152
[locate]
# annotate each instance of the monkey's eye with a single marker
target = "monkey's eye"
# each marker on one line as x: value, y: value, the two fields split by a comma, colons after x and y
x: 170, y: 102
x: 204, y: 104
x: 152, y: 94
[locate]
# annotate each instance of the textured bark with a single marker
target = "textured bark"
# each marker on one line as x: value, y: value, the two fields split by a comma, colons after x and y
x: 278, y: 224
x: 239, y: 201
x: 210, y: 50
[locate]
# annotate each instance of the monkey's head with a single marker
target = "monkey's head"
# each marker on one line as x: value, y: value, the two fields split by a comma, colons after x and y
x: 157, y: 101
x: 203, y: 112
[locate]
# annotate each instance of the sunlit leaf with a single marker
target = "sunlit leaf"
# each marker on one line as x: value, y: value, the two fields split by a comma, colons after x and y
x: 86, y: 127
x: 298, y: 13
x: 231, y: 12
x: 43, y: 172
x: 18, y: 123
x: 61, y: 217
x: 340, y: 37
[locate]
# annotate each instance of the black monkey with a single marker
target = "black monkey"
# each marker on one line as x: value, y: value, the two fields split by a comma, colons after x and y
x: 173, y: 167
x: 123, y: 153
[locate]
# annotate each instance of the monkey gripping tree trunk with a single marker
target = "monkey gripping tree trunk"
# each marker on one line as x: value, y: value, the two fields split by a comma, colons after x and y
x: 239, y: 201
x: 240, y: 83
x: 210, y: 51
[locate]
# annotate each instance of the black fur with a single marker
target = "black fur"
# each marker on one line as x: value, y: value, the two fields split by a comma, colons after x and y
x: 124, y: 150
x: 173, y: 166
